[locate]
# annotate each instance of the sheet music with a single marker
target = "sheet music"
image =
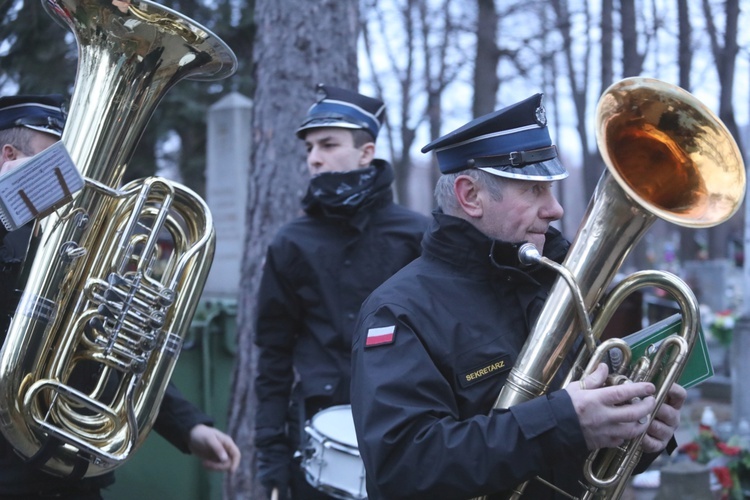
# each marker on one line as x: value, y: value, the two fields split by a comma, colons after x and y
x: 37, y: 187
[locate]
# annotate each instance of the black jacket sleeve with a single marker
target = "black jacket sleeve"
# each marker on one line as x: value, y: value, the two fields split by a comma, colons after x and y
x: 406, y: 416
x: 277, y: 327
x: 177, y: 417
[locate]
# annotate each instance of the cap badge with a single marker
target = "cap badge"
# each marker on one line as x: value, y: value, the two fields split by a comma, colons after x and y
x: 541, y: 116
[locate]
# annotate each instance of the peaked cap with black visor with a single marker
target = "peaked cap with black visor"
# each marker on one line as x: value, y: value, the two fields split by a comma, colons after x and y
x: 512, y: 142
x: 43, y: 113
x: 342, y: 108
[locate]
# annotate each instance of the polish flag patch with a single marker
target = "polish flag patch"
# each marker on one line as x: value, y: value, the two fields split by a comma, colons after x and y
x: 380, y: 336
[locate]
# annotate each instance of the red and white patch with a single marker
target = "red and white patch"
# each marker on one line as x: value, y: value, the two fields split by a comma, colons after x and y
x: 380, y: 336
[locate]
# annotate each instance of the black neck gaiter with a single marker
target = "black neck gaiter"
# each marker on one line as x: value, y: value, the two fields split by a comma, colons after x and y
x: 345, y: 193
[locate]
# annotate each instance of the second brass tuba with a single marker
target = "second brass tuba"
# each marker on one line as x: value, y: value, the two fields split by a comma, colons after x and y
x: 667, y: 156
x: 118, y: 273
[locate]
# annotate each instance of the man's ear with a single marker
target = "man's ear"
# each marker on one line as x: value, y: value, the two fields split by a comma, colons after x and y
x: 9, y: 153
x: 467, y: 193
x: 368, y: 154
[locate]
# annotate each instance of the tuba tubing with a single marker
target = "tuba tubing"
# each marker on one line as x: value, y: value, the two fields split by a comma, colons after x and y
x: 103, y: 295
x: 667, y: 156
x: 609, y: 469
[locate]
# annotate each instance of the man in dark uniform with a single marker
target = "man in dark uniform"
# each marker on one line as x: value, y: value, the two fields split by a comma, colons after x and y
x: 435, y: 343
x: 318, y: 270
x: 28, y: 125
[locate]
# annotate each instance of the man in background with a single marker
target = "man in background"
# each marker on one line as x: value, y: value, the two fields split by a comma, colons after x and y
x: 318, y: 270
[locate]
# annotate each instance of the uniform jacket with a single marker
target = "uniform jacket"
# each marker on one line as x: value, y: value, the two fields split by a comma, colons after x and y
x: 422, y: 398
x: 176, y: 417
x: 318, y: 271
x: 13, y: 248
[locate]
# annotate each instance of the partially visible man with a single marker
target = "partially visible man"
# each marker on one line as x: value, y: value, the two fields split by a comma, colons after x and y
x: 435, y: 343
x: 28, y: 125
x: 21, y: 140
x: 318, y: 270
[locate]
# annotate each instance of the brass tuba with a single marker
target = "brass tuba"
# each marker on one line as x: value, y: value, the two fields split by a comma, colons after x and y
x: 119, y: 271
x: 667, y: 156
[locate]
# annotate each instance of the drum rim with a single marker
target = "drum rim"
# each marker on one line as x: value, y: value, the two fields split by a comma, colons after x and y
x: 346, y: 409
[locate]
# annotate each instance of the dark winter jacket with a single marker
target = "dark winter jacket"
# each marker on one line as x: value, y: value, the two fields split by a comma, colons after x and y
x: 318, y: 271
x: 433, y: 346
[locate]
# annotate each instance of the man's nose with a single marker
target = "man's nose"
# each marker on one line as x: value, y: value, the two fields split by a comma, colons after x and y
x: 314, y: 158
x: 552, y: 209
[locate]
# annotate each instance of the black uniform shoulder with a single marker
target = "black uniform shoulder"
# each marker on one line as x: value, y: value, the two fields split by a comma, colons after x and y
x: 406, y: 213
x: 302, y: 242
x: 408, y: 284
x: 299, y: 231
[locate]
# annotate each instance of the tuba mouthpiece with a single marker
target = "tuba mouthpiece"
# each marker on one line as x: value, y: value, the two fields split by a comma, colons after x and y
x: 528, y: 254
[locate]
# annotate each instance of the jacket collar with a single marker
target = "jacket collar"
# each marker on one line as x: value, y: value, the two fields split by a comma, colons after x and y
x: 357, y: 216
x: 456, y: 241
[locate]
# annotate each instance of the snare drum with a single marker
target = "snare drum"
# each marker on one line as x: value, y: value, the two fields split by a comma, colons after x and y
x: 331, y: 459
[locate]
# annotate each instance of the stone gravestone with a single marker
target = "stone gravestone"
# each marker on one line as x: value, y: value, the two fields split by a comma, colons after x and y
x: 227, y: 166
x: 715, y: 285
x: 710, y: 280
x: 685, y: 481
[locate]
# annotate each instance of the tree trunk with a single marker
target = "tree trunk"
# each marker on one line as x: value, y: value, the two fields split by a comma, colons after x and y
x: 689, y: 247
x: 607, y: 73
x: 632, y: 65
x: 578, y: 81
x: 298, y: 45
x: 725, y: 57
x: 486, y: 81
x: 726, y: 64
x: 632, y: 61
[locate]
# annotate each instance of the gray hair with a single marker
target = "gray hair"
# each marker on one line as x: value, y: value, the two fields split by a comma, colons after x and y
x: 445, y: 197
x: 19, y: 138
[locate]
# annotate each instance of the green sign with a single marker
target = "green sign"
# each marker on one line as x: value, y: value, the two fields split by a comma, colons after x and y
x: 698, y: 367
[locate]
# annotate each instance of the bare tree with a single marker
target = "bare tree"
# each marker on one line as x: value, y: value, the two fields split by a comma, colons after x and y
x: 486, y: 80
x: 640, y: 34
x: 400, y: 62
x: 607, y: 42
x: 688, y: 244
x: 298, y: 45
x: 725, y: 58
x: 421, y: 61
x: 517, y: 51
x: 577, y: 76
x: 685, y: 43
x: 632, y: 59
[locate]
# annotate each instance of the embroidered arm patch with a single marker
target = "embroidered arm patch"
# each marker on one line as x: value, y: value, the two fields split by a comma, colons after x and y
x: 488, y: 369
x: 380, y: 336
